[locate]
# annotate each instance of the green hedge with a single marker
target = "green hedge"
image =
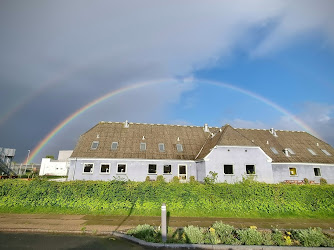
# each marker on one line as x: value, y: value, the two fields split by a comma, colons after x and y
x: 189, y: 199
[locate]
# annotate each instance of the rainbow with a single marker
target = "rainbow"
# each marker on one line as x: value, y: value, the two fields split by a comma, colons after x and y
x: 135, y: 86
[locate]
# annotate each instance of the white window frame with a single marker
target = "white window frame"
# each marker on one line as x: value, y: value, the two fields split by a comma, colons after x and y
x: 232, y: 169
x: 91, y: 146
x: 178, y: 172
x: 319, y: 172
x: 163, y: 145
x: 156, y: 169
x: 105, y: 164
x: 250, y: 165
x: 164, y: 169
x: 179, y: 147
x: 326, y: 152
x: 114, y: 142
x: 126, y: 168
x: 312, y: 151
x: 140, y: 146
x: 92, y: 169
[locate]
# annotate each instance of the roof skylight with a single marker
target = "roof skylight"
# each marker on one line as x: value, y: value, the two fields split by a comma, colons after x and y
x: 290, y: 151
x: 274, y: 150
x: 326, y: 152
x: 142, y: 146
x: 311, y: 151
x: 94, y: 145
x: 161, y: 147
x: 179, y: 147
x: 114, y: 145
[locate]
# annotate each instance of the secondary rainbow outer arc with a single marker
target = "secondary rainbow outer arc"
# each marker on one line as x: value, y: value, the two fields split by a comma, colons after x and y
x: 51, y: 134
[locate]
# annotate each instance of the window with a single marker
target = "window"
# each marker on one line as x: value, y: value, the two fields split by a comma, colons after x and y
x: 88, y: 168
x: 290, y: 151
x: 250, y: 169
x: 95, y: 144
x: 105, y: 168
x: 228, y: 169
x: 326, y: 152
x: 311, y: 151
x: 121, y: 168
x: 293, y: 171
x: 152, y: 168
x: 317, y: 172
x: 142, y: 146
x: 167, y: 169
x: 114, y: 145
x: 179, y: 147
x: 274, y: 150
x: 161, y: 147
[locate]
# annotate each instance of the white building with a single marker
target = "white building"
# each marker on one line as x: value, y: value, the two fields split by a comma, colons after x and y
x: 58, y: 167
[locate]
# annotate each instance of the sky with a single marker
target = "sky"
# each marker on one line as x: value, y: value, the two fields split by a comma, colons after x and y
x: 67, y: 65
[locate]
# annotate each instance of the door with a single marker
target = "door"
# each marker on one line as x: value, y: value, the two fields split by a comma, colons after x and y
x: 183, y: 173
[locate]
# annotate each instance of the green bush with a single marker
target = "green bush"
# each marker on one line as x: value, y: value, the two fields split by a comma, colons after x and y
x: 194, y: 235
x: 306, y: 181
x: 145, y: 232
x: 160, y: 178
x: 175, y: 179
x: 311, y: 237
x: 277, y: 238
x: 211, y: 178
x: 323, y: 181
x: 192, y: 179
x: 225, y: 233
x: 249, y: 236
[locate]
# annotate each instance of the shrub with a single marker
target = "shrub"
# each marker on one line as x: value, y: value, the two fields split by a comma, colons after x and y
x: 210, y: 236
x: 160, y: 178
x: 323, y: 181
x: 145, y: 232
x: 249, y: 236
x: 306, y: 181
x: 277, y: 237
x: 267, y: 238
x: 193, y: 234
x: 311, y: 237
x: 225, y: 233
x: 211, y: 178
x: 192, y: 179
x: 147, y: 179
x: 175, y: 179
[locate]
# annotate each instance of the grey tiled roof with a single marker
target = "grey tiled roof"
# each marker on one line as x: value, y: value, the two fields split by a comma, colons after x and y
x: 196, y: 143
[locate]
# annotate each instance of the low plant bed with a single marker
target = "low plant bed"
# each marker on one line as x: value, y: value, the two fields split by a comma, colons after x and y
x: 220, y: 233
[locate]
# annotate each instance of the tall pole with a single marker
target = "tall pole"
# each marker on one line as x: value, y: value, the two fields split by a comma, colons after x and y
x: 164, y: 222
x: 25, y: 171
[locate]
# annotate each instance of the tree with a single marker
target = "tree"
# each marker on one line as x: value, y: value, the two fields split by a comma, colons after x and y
x: 50, y: 156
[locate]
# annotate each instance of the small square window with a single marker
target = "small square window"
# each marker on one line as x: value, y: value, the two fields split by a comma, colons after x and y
x: 274, y: 150
x: 326, y: 152
x: 161, y: 147
x: 167, y: 169
x: 250, y: 169
x: 179, y: 147
x: 88, y: 167
x: 293, y: 171
x: 152, y: 168
x: 105, y: 168
x: 94, y: 145
x: 228, y: 169
x: 317, y: 172
x: 311, y: 151
x: 121, y: 168
x: 142, y: 146
x: 114, y: 145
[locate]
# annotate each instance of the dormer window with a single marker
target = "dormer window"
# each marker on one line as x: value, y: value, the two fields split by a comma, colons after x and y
x: 311, y: 151
x: 326, y: 152
x: 290, y: 151
x: 179, y: 147
x: 274, y: 150
x: 161, y: 147
x: 114, y: 145
x: 142, y: 146
x: 94, y: 145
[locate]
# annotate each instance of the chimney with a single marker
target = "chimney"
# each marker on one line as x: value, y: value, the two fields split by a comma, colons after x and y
x: 126, y: 124
x: 143, y: 137
x: 206, y: 128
